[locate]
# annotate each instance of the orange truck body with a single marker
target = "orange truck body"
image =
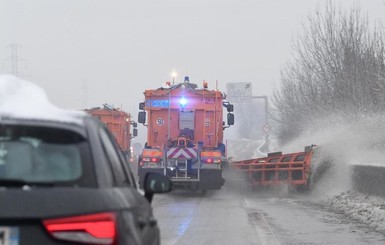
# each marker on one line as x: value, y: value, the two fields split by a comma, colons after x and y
x: 119, y: 124
x: 184, y: 135
x: 292, y: 169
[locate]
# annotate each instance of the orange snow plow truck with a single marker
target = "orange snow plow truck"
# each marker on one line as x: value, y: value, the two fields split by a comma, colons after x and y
x: 119, y: 124
x: 185, y: 135
x: 293, y: 169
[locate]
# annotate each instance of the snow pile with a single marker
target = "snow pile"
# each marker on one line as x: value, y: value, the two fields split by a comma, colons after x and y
x: 24, y: 99
x: 369, y: 210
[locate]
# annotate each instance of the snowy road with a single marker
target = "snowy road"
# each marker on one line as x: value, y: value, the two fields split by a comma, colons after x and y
x: 235, y: 216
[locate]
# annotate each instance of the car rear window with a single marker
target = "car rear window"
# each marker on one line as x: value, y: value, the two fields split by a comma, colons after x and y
x: 42, y: 154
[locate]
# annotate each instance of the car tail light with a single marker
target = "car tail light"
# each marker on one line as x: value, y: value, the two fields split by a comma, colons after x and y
x: 91, y: 229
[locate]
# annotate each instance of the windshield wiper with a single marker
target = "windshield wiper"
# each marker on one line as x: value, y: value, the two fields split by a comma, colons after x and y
x: 21, y: 183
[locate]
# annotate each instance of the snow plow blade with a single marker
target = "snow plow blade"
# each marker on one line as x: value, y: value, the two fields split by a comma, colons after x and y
x: 292, y: 169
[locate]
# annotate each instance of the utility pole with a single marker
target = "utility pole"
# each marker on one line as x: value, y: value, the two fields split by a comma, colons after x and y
x: 14, y: 59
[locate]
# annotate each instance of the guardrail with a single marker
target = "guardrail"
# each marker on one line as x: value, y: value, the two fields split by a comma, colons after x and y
x: 369, y: 179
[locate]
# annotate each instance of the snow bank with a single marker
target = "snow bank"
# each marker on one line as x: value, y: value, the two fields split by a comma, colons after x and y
x: 24, y: 99
x: 369, y: 210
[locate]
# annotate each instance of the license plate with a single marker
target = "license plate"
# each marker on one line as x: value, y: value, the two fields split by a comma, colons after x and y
x: 9, y: 235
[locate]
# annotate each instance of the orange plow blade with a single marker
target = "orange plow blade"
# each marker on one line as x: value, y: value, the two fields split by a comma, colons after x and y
x: 292, y: 169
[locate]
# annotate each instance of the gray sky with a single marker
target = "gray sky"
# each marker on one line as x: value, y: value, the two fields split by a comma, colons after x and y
x: 88, y: 52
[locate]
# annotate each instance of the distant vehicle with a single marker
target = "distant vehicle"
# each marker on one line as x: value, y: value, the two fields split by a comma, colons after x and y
x: 119, y: 123
x: 64, y: 180
x: 185, y: 135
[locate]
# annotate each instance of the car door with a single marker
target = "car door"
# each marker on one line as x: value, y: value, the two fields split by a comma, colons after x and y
x: 140, y: 211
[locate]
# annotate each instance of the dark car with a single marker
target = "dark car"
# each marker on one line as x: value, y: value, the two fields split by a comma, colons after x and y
x: 66, y: 182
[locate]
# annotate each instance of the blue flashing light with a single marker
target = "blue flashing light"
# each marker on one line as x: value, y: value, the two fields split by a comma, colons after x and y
x: 183, y: 102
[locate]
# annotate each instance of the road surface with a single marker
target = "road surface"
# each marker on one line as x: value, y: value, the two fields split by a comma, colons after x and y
x: 237, y: 215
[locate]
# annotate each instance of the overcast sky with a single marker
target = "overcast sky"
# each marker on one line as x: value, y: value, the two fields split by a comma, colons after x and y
x: 88, y: 52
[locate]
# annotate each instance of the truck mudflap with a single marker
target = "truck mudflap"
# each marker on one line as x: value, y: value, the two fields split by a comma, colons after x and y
x: 276, y: 169
x: 209, y: 179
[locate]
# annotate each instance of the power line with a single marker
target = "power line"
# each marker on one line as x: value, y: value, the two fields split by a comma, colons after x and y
x: 14, y: 59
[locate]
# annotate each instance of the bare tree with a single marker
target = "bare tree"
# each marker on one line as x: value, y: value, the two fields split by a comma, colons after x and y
x: 338, y: 66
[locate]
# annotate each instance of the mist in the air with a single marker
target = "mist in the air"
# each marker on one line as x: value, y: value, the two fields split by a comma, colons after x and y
x: 341, y: 143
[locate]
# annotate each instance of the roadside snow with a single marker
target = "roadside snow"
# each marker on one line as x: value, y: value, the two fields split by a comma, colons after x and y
x: 24, y: 99
x: 369, y: 210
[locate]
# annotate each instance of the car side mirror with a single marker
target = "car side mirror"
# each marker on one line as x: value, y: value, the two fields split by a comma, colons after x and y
x: 142, y: 117
x: 155, y: 183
